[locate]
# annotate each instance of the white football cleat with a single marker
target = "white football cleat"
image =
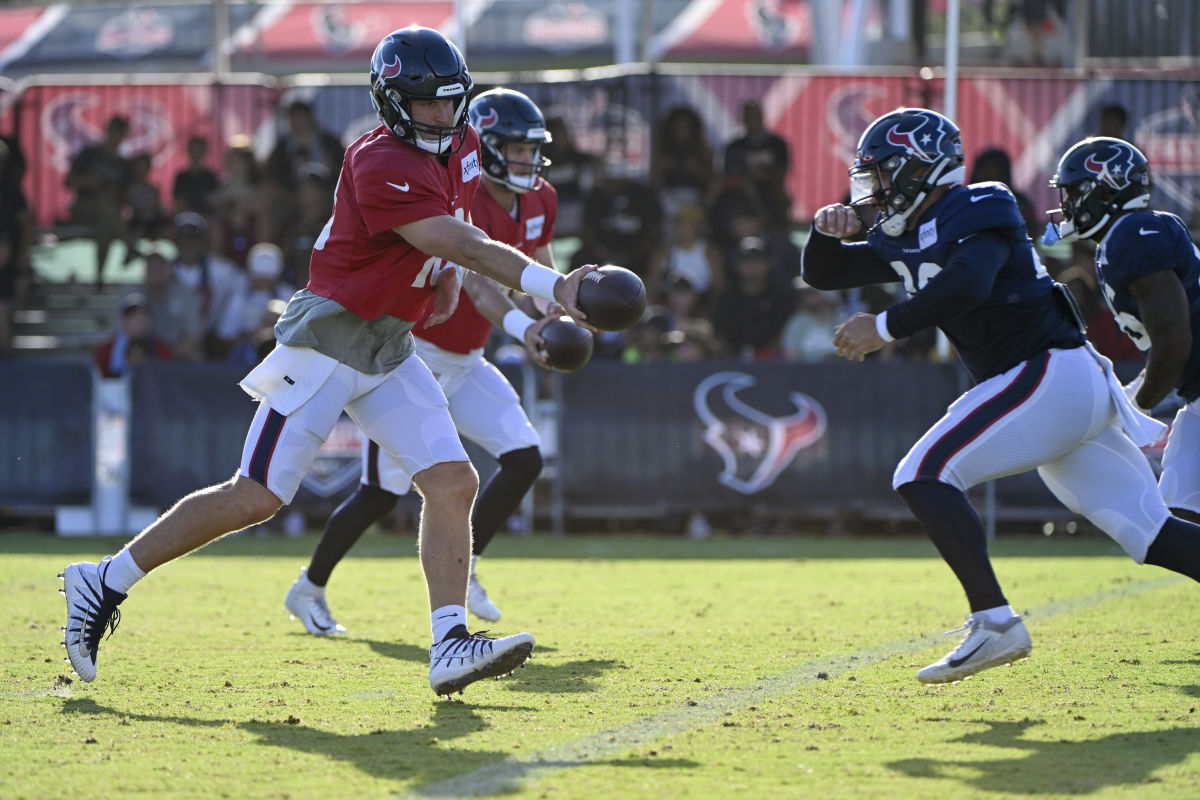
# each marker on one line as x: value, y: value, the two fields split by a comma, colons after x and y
x: 91, y: 609
x: 306, y: 602
x: 463, y: 658
x: 477, y: 598
x: 986, y: 645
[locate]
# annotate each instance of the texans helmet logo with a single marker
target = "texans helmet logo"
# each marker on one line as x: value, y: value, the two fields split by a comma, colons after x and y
x: 388, y: 71
x: 1112, y: 170
x: 754, y: 446
x: 487, y: 120
x: 923, y: 142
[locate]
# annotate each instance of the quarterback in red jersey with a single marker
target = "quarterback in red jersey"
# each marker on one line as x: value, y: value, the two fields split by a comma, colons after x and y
x: 517, y: 206
x: 344, y: 344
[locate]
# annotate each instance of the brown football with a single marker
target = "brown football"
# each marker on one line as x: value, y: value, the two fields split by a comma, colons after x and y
x: 612, y: 298
x: 568, y: 346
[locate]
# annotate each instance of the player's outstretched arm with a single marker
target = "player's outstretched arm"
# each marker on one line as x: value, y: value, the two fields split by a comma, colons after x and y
x: 461, y: 242
x: 498, y: 308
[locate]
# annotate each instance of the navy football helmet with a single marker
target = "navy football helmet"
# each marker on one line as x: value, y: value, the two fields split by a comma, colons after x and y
x: 1097, y: 180
x: 416, y: 63
x: 504, y: 116
x: 918, y: 150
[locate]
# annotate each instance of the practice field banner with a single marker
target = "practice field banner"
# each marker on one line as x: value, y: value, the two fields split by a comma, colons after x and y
x: 803, y: 438
x: 45, y: 434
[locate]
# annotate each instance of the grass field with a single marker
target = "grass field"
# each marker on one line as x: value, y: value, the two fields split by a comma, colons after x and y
x: 758, y: 668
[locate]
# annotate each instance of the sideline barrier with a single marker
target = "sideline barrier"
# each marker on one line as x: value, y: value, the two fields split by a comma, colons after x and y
x: 45, y: 434
x: 804, y: 441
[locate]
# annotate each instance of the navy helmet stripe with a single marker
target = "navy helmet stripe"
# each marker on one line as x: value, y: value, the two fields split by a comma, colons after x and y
x: 268, y: 437
x: 974, y: 424
x: 372, y: 464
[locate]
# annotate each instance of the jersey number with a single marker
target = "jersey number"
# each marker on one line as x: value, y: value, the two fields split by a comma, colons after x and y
x: 925, y: 273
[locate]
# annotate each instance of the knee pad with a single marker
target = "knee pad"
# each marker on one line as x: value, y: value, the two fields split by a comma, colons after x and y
x: 524, y: 465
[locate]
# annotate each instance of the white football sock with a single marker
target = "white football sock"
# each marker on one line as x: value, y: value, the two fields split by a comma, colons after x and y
x: 122, y: 572
x: 445, y: 619
x: 997, y: 615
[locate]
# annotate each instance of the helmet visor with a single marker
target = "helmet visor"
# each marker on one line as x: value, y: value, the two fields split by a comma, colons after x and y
x: 865, y: 185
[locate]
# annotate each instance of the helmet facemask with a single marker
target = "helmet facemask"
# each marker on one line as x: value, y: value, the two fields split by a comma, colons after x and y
x: 1097, y: 180
x: 1088, y: 206
x: 909, y: 182
x: 499, y: 167
x: 901, y: 157
x: 416, y: 63
x: 395, y: 110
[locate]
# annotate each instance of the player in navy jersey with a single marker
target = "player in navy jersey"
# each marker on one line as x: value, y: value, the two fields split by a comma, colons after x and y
x: 1042, y: 398
x: 344, y: 343
x: 518, y: 207
x: 1149, y: 269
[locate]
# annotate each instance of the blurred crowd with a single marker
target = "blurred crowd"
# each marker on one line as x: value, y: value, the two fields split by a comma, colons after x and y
x: 709, y: 230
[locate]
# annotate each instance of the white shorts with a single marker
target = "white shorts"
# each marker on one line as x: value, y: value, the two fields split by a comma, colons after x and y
x: 1180, y: 479
x: 1057, y: 413
x: 403, y: 410
x: 483, y: 404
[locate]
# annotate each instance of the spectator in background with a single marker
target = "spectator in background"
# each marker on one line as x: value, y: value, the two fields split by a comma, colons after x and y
x: 214, y: 280
x: 238, y: 329
x: 692, y: 341
x: 148, y: 218
x: 733, y: 200
x: 760, y: 159
x: 315, y: 204
x: 622, y: 222
x: 100, y: 177
x: 571, y: 172
x: 195, y: 184
x: 240, y: 220
x: 681, y: 163
x: 134, y: 341
x: 1113, y: 120
x: 782, y: 254
x: 301, y: 148
x: 683, y: 303
x: 994, y: 164
x: 808, y: 333
x: 689, y: 256
x: 644, y: 342
x: 16, y: 236
x: 174, y: 309
x: 751, y: 311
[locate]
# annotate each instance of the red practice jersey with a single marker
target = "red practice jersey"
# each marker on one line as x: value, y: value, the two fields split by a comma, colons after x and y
x: 532, y: 228
x: 358, y: 260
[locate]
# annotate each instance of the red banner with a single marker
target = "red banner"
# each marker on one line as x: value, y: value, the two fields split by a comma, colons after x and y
x: 57, y: 121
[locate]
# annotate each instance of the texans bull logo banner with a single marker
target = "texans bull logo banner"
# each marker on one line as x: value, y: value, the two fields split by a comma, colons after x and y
x: 754, y: 446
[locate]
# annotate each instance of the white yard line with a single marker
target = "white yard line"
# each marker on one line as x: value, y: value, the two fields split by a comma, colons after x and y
x: 511, y: 774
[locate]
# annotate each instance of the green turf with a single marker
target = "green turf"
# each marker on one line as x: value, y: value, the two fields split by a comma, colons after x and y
x: 769, y: 667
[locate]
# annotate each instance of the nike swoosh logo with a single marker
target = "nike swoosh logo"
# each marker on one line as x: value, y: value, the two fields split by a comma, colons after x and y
x: 403, y: 188
x: 1145, y: 232
x: 958, y: 662
x: 318, y: 625
x: 977, y: 198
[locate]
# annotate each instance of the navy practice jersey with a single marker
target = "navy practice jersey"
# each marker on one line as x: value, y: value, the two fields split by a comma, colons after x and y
x: 969, y: 268
x: 1138, y: 244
